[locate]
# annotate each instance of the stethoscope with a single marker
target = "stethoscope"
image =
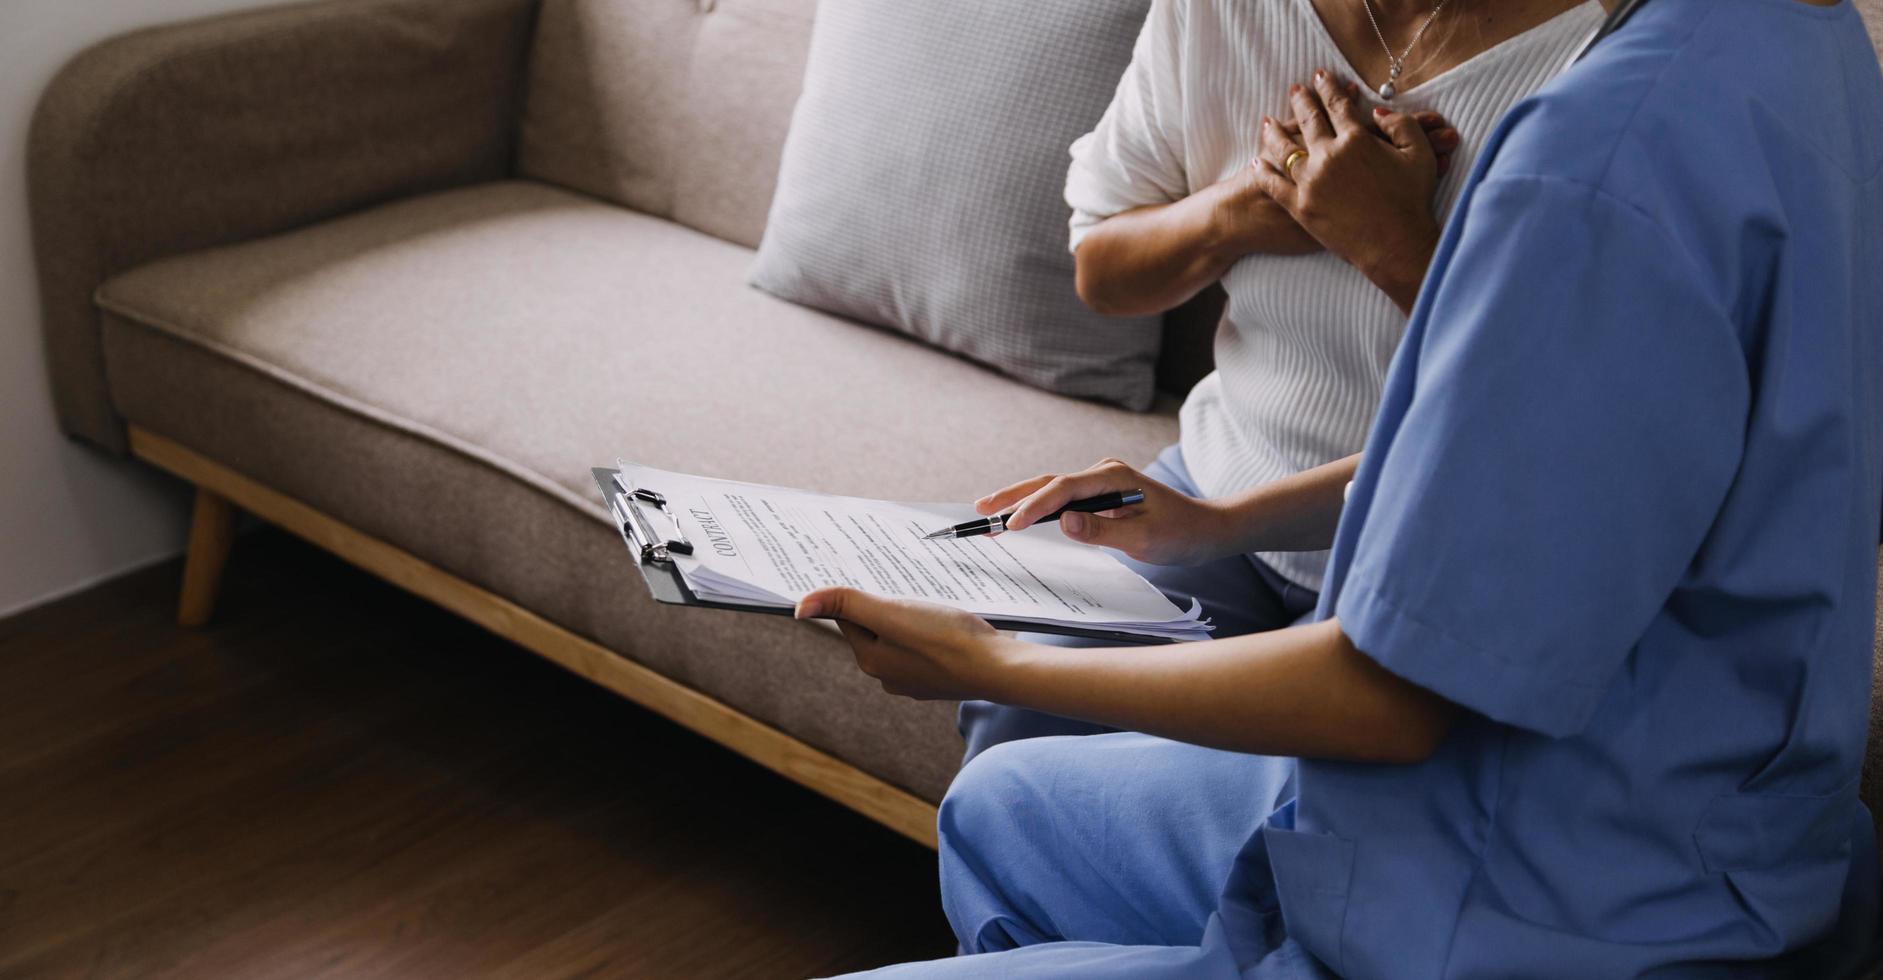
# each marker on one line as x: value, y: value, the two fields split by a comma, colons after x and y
x: 1616, y: 18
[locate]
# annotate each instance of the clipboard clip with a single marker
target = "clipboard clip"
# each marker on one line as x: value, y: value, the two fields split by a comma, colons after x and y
x: 630, y: 516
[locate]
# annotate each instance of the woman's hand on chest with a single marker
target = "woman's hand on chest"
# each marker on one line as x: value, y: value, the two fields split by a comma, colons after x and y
x: 1364, y: 193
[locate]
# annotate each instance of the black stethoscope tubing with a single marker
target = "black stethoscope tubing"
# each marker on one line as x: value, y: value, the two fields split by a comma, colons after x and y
x: 1616, y: 18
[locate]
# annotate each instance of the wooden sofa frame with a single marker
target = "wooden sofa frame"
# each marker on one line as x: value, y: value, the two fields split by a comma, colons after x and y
x: 220, y: 491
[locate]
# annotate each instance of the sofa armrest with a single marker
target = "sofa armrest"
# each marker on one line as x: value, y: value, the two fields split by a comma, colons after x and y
x: 222, y: 130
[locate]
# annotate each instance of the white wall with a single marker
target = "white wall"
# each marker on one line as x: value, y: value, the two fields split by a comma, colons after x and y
x: 69, y: 516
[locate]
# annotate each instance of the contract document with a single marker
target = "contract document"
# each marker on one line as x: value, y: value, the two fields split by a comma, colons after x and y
x: 761, y: 547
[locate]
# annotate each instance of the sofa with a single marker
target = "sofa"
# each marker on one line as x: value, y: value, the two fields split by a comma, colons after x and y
x: 327, y: 263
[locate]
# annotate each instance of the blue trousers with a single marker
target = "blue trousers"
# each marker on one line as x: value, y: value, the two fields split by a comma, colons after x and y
x: 1105, y: 856
x: 1239, y: 594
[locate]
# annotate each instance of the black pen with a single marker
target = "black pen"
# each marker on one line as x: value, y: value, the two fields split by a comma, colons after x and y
x: 998, y: 522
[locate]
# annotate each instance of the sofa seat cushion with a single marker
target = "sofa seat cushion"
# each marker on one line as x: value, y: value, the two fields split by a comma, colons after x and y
x: 441, y: 373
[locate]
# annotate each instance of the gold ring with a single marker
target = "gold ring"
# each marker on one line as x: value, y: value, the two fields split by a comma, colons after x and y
x: 1293, y: 158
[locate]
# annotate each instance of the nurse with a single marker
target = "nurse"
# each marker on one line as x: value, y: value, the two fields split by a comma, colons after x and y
x: 1588, y: 689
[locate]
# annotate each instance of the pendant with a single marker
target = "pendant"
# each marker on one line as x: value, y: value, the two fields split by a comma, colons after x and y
x: 1390, y: 87
x: 1387, y: 91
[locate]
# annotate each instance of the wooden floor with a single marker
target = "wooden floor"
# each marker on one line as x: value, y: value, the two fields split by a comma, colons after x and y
x: 336, y: 779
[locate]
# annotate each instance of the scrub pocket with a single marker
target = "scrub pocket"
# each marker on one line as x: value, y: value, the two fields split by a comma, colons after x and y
x: 1786, y: 856
x: 1312, y: 875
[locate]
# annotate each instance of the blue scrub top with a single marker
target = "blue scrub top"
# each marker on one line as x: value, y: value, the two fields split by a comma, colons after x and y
x: 1621, y: 503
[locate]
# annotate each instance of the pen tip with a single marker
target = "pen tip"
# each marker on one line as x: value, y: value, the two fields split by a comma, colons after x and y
x: 947, y: 532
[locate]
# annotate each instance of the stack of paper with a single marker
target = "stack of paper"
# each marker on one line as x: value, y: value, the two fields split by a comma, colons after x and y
x: 765, y: 546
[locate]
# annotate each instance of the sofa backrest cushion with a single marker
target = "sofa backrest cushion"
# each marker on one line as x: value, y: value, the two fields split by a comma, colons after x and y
x: 675, y: 108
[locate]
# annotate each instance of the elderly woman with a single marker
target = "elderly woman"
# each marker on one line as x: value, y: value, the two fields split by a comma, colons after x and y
x: 1166, y: 202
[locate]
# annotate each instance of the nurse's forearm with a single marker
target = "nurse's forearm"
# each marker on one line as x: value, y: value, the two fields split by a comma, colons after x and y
x: 1303, y: 692
x: 1153, y: 259
x: 1295, y: 513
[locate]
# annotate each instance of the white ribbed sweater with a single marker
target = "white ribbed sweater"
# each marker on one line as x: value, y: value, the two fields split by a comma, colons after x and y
x: 1303, y: 353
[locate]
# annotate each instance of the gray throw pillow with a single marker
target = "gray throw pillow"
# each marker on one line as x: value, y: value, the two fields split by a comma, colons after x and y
x: 923, y: 180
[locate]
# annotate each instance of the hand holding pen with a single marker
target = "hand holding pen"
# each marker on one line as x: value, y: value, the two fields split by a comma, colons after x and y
x: 1151, y: 522
x: 998, y: 522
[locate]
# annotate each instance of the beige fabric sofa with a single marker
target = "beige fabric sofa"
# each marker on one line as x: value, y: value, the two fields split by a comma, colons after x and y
x: 394, y: 274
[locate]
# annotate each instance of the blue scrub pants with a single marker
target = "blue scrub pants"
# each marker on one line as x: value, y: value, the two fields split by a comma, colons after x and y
x: 1102, y: 856
x: 1239, y: 594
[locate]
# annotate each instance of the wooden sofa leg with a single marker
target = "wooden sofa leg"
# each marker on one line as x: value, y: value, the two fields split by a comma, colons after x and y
x: 212, y: 532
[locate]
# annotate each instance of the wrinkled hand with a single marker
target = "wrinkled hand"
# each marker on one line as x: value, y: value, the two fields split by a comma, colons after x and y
x: 1168, y: 528
x: 1437, y: 129
x: 1253, y: 215
x: 1364, y: 193
x: 916, y: 649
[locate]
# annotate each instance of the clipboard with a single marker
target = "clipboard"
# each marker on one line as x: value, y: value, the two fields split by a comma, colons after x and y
x: 653, y: 536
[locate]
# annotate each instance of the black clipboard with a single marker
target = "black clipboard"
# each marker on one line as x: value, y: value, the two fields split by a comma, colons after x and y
x: 653, y: 537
